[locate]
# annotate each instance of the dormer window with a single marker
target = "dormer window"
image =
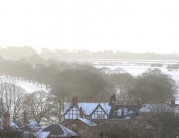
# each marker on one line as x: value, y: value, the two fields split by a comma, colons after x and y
x: 119, y: 112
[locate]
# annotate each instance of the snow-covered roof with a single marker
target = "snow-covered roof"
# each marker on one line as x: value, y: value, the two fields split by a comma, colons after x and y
x: 88, y: 108
x: 13, y: 125
x: 40, y: 134
x: 68, y: 132
x: 176, y: 101
x: 59, y: 131
x: 88, y: 122
x: 32, y: 121
x: 67, y: 107
x: 106, y: 107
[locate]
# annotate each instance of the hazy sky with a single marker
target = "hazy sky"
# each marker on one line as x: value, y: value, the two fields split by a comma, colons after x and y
x: 126, y: 25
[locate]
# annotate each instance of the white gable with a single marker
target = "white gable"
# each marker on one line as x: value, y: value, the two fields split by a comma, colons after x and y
x: 99, y: 113
x: 88, y: 108
x: 67, y: 107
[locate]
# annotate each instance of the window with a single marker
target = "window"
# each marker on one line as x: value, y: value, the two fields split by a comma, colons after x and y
x: 88, y: 117
x: 73, y: 113
x: 100, y: 117
x: 99, y: 114
x: 119, y: 112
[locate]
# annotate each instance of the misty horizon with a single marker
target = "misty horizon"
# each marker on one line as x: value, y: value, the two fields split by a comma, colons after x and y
x: 39, y: 50
x: 133, y: 26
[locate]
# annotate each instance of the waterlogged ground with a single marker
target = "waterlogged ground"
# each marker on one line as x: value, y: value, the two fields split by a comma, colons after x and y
x: 137, y: 70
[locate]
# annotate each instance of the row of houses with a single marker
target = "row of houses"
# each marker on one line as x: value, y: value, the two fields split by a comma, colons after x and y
x: 91, y: 114
x: 86, y: 115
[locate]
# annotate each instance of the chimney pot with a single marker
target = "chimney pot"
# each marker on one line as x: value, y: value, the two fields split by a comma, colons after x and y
x: 81, y: 113
x: 75, y: 100
x: 173, y: 103
x: 91, y: 99
x: 6, y: 120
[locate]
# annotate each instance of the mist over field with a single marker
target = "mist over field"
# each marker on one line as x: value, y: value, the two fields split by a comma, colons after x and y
x: 87, y: 68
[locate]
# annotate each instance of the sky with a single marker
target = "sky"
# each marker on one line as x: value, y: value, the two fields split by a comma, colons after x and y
x: 124, y: 25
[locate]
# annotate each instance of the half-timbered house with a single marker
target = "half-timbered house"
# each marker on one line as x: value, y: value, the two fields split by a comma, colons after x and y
x: 93, y: 111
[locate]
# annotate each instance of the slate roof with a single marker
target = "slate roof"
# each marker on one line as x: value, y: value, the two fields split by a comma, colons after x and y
x: 88, y: 122
x: 88, y: 108
x: 59, y: 131
x: 29, y: 127
x: 85, y: 121
x: 126, y: 112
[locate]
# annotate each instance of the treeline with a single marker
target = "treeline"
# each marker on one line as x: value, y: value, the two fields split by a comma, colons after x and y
x: 17, y: 53
x: 175, y: 66
x: 64, y: 78
x: 70, y: 79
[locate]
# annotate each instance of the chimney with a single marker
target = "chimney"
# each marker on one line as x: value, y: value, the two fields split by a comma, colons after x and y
x: 81, y: 113
x: 75, y: 100
x: 6, y: 120
x: 139, y: 102
x: 112, y: 101
x: 91, y: 99
x: 173, y: 103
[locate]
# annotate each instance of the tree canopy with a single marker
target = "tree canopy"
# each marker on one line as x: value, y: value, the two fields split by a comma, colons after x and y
x: 153, y: 86
x: 81, y: 83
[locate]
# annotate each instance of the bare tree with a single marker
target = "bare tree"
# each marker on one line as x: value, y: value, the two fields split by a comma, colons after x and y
x: 39, y: 105
x: 12, y: 97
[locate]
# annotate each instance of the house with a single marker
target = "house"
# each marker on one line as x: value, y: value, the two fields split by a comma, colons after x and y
x: 98, y: 112
x: 93, y: 111
x: 122, y: 112
x: 80, y: 123
x: 59, y: 131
